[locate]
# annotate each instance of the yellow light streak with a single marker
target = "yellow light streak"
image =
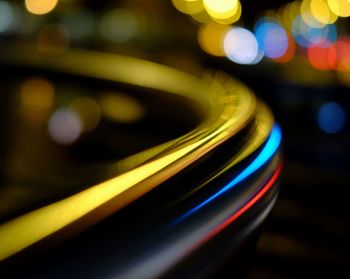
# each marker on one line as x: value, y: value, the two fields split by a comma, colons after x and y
x: 231, y: 107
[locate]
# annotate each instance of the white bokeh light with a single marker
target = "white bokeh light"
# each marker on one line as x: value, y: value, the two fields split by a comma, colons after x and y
x: 64, y: 126
x: 241, y: 46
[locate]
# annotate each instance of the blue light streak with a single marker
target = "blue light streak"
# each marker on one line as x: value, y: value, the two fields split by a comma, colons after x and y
x: 266, y: 154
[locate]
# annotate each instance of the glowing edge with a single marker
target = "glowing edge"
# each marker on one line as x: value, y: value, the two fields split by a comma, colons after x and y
x: 266, y: 154
x: 248, y: 205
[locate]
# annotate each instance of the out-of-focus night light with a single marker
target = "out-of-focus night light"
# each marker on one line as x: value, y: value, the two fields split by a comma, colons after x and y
x: 306, y: 36
x: 307, y: 15
x: 331, y: 117
x: 88, y: 111
x: 37, y: 99
x: 37, y: 94
x: 340, y: 7
x: 258, y: 57
x: 53, y: 37
x: 40, y: 7
x: 241, y: 46
x: 232, y: 19
x: 64, y: 126
x: 211, y: 38
x: 290, y: 52
x: 221, y: 9
x: 321, y: 58
x: 271, y: 37
x: 321, y: 12
x: 202, y: 17
x: 342, y: 48
x: 290, y: 12
x: 119, y: 25
x: 120, y: 107
x: 6, y: 16
x: 188, y: 6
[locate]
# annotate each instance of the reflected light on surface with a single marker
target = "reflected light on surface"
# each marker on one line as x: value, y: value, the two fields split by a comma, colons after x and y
x: 37, y: 99
x: 211, y: 38
x: 331, y: 118
x: 53, y: 38
x: 271, y: 37
x: 40, y: 7
x: 188, y: 6
x: 6, y: 16
x: 88, y: 111
x: 342, y: 48
x: 241, y: 46
x: 323, y: 59
x: 119, y: 25
x: 340, y: 7
x: 121, y: 107
x: 64, y: 126
x: 221, y: 9
x: 321, y: 12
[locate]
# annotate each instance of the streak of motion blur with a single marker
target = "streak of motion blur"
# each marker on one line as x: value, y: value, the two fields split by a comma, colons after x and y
x: 80, y: 126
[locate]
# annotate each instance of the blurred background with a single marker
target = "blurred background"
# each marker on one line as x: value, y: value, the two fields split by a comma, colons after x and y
x: 295, y: 55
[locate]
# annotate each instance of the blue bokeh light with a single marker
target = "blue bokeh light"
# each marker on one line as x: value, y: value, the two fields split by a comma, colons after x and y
x: 6, y: 16
x: 331, y: 118
x: 307, y: 36
x: 271, y: 37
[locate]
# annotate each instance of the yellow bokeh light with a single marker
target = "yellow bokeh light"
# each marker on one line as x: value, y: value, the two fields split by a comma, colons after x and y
x: 40, y: 7
x: 340, y: 7
x: 321, y: 12
x: 37, y: 99
x: 234, y: 18
x: 221, y: 9
x: 188, y: 6
x: 285, y: 18
x: 37, y: 94
x: 211, y: 38
x: 307, y: 15
x: 290, y: 12
x: 294, y: 9
x: 202, y: 17
x: 88, y: 111
x: 278, y: 16
x: 121, y: 107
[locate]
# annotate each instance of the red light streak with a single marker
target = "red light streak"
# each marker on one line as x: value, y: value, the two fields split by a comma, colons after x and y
x: 245, y: 208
